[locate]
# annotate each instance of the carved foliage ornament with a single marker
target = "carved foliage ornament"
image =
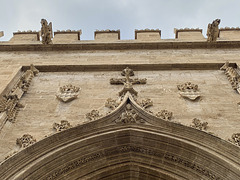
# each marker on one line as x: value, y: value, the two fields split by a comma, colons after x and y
x: 62, y: 126
x: 164, y: 114
x: 68, y: 93
x: 46, y: 32
x: 25, y: 141
x: 232, y: 75
x: 189, y: 90
x: 213, y: 31
x: 112, y: 104
x: 129, y: 115
x: 197, y: 124
x: 235, y: 139
x: 93, y: 115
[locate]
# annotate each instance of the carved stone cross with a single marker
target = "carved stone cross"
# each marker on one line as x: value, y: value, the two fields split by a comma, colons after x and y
x: 127, y: 81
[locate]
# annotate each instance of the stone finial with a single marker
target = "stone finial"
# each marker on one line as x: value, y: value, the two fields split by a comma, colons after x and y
x: 213, y: 31
x: 25, y: 141
x: 46, y: 32
x: 1, y: 33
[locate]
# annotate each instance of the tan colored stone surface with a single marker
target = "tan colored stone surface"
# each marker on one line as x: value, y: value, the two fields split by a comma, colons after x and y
x: 1, y: 33
x: 230, y: 35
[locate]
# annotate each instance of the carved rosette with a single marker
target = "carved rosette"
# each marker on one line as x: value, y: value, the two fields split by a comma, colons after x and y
x: 235, y: 139
x: 62, y: 126
x: 232, y: 75
x: 68, y: 93
x: 197, y: 124
x: 25, y: 141
x: 164, y: 114
x: 93, y: 115
x: 189, y: 91
x: 129, y: 116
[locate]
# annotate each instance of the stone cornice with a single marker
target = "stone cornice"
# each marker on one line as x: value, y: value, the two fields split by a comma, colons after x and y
x: 120, y: 46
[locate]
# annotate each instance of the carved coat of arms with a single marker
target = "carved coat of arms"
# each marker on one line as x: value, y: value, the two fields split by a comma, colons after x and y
x: 68, y: 93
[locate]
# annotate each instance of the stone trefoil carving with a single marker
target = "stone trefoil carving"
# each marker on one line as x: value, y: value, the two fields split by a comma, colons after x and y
x: 213, y: 30
x: 68, y: 93
x: 25, y: 141
x: 189, y: 91
x: 197, y: 124
x: 9, y: 103
x: 46, y: 32
x: 127, y: 81
x: 129, y: 115
x: 235, y: 139
x: 232, y: 75
x: 93, y: 115
x: 164, y: 114
x: 62, y: 126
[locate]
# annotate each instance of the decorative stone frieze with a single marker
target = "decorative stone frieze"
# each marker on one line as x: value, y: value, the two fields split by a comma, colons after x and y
x: 112, y: 104
x: 129, y: 116
x: 46, y: 32
x: 62, y: 126
x: 235, y: 139
x: 25, y: 141
x: 232, y: 75
x: 189, y: 91
x: 197, y: 124
x: 164, y: 114
x: 93, y: 115
x: 127, y: 81
x: 213, y: 31
x: 68, y: 93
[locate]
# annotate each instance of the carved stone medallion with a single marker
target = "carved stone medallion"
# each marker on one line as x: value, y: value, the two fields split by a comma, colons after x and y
x: 68, y: 93
x: 25, y: 141
x: 189, y: 91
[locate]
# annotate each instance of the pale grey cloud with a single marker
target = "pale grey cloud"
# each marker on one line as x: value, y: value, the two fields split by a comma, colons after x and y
x: 125, y: 15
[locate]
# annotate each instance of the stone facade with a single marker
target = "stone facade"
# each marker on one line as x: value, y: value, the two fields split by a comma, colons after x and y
x: 164, y: 65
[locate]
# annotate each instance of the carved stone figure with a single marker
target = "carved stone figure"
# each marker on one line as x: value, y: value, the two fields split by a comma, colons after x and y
x: 197, y: 124
x: 189, y: 91
x: 62, y: 126
x: 68, y: 93
x: 232, y: 75
x: 93, y: 115
x: 112, y: 104
x: 164, y: 114
x: 235, y: 139
x: 25, y: 141
x: 46, y: 32
x: 213, y: 30
x: 129, y: 116
x: 127, y: 82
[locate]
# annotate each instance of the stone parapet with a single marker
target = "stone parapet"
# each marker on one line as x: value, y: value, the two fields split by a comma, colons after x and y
x: 230, y: 34
x: 107, y: 35
x: 67, y: 36
x: 25, y: 37
x: 148, y: 34
x: 188, y: 34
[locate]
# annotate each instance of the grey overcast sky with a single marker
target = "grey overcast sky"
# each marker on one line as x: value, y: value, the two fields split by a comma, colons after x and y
x: 126, y: 15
